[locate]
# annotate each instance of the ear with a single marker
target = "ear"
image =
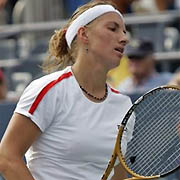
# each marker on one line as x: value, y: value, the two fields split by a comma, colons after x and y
x: 83, y: 35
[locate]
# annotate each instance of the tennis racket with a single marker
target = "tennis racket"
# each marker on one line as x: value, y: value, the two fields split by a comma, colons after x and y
x: 154, y: 150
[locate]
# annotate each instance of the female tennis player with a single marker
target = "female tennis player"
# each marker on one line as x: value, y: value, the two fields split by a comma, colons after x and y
x: 66, y: 122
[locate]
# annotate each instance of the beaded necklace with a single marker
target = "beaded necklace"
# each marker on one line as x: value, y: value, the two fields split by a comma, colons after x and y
x: 94, y: 97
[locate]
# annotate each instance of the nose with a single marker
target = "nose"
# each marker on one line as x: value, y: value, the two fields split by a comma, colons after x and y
x: 123, y: 39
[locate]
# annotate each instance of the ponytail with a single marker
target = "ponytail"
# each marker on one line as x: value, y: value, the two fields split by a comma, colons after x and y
x: 58, y: 54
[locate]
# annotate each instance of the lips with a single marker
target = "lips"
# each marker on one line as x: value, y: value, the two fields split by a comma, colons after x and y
x: 120, y: 50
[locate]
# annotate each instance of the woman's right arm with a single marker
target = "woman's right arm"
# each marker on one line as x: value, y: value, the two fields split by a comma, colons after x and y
x: 20, y: 134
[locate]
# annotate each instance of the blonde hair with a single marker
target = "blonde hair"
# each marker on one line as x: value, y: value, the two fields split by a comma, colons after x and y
x: 59, y: 55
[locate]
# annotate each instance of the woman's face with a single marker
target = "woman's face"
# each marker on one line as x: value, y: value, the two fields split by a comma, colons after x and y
x: 107, y: 39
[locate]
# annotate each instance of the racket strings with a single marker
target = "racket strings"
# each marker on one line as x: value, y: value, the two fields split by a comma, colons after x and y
x: 153, y: 145
x: 140, y: 127
x: 146, y: 168
x: 152, y: 139
x: 149, y: 102
x: 147, y: 158
x: 149, y: 139
x: 157, y: 124
x: 161, y: 167
x: 173, y: 162
x: 145, y: 114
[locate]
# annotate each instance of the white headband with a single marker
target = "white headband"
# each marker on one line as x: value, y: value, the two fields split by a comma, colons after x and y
x: 85, y: 18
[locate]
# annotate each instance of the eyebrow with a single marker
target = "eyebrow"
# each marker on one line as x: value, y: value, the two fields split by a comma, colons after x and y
x: 113, y: 22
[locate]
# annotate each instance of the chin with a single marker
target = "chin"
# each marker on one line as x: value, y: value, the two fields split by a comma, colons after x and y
x: 115, y: 64
x: 117, y: 61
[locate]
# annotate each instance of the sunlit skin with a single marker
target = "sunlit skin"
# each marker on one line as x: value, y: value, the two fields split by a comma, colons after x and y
x: 107, y: 40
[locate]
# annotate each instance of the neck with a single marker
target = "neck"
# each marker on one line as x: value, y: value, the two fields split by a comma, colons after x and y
x: 89, y: 74
x: 91, y: 78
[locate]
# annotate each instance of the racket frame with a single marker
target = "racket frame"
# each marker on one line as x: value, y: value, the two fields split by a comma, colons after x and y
x: 117, y: 152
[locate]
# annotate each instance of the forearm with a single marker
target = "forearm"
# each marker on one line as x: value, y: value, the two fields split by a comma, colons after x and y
x: 13, y: 146
x: 14, y: 169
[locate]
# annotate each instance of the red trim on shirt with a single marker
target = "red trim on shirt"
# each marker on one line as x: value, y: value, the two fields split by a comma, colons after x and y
x: 45, y: 90
x: 115, y: 91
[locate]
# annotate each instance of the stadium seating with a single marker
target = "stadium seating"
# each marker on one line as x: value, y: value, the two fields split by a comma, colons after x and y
x: 7, y: 49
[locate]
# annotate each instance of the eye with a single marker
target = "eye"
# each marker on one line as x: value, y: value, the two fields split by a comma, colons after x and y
x: 112, y: 28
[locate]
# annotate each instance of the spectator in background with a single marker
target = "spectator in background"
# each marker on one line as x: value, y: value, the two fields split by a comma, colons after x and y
x: 2, y: 4
x: 175, y: 79
x: 124, y: 6
x: 141, y: 65
x: 163, y: 5
x: 2, y: 12
x: 8, y: 6
x: 3, y: 87
x: 72, y: 5
x: 153, y: 6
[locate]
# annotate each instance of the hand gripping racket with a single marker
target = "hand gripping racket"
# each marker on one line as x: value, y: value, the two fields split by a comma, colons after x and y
x: 154, y: 150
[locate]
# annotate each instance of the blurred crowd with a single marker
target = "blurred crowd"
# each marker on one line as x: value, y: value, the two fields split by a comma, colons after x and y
x: 64, y: 8
x: 141, y: 65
